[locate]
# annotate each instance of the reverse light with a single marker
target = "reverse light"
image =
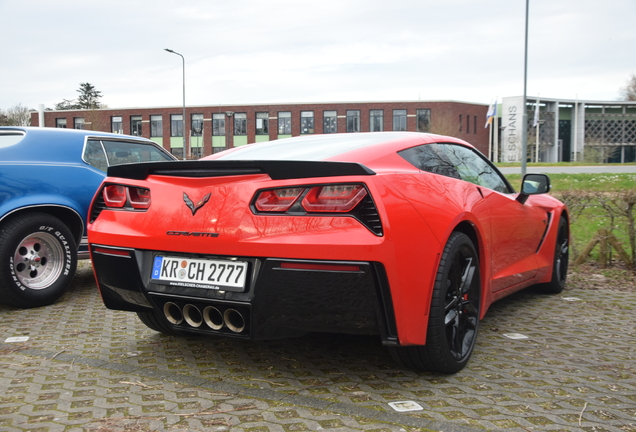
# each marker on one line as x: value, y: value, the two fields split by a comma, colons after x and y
x: 119, y: 196
x: 115, y: 196
x: 334, y: 198
x: 277, y: 200
x: 139, y: 198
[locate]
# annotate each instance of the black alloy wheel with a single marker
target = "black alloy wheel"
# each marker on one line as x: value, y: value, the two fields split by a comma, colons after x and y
x: 561, y: 260
x: 454, y: 315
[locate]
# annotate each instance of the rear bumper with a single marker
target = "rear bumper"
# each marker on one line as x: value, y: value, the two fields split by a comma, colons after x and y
x: 277, y: 301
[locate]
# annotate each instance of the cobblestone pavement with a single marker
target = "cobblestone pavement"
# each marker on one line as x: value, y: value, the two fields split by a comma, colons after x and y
x: 88, y: 368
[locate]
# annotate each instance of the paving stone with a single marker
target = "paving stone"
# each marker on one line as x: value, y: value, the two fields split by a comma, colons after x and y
x: 86, y: 368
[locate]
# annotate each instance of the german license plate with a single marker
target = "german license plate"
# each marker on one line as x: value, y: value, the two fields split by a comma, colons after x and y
x: 227, y: 275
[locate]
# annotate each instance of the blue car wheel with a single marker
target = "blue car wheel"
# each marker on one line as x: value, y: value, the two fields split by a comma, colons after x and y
x: 38, y: 259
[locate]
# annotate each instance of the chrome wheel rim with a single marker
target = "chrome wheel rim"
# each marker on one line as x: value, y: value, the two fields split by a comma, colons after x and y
x: 38, y: 261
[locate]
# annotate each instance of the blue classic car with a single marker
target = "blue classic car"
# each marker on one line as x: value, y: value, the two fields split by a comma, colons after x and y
x: 47, y: 180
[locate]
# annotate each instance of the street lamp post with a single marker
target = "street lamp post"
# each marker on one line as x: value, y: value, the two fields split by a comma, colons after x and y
x: 185, y: 143
x: 524, y: 117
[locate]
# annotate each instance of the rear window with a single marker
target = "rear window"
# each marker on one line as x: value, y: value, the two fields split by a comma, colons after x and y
x: 7, y: 139
x: 103, y: 153
x: 308, y: 148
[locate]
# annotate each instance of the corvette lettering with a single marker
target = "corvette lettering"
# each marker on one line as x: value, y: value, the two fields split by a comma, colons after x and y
x: 191, y: 234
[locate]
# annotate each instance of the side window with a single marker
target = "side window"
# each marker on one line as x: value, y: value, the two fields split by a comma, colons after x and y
x: 473, y: 168
x: 122, y: 152
x: 94, y: 155
x: 456, y: 161
x: 430, y: 158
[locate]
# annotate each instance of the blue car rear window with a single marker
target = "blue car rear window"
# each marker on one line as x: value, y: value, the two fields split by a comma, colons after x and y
x: 8, y: 139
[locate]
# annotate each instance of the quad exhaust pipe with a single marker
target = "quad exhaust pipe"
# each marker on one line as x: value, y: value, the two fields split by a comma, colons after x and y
x: 173, y: 313
x: 192, y: 315
x: 211, y: 317
x: 234, y: 320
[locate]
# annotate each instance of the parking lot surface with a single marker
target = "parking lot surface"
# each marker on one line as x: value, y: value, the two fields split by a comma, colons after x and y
x: 542, y: 363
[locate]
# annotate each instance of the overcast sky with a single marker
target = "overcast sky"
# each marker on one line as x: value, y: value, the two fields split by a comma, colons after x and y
x: 268, y: 51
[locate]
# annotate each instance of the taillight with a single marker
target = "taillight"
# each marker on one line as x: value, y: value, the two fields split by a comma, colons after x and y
x: 334, y: 198
x: 277, y: 200
x: 337, y: 198
x: 115, y: 196
x: 139, y: 197
x: 348, y: 199
x: 119, y: 196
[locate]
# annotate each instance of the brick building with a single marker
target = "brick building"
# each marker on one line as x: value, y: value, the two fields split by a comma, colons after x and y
x: 211, y: 129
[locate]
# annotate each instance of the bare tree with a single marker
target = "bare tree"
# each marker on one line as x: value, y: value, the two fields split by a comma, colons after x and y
x: 628, y: 92
x: 444, y: 125
x: 17, y: 115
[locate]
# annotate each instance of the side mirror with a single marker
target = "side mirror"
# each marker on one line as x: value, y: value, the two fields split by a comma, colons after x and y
x: 533, y: 184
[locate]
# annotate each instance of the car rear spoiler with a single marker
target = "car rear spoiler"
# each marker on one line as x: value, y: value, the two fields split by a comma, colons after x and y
x: 276, y: 169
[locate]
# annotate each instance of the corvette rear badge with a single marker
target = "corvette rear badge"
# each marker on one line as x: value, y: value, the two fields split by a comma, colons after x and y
x: 195, y: 207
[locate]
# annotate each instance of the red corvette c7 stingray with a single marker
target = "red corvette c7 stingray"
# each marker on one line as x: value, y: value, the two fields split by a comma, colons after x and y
x: 409, y: 236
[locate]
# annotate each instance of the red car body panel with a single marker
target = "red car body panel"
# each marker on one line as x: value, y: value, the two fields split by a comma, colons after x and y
x: 419, y: 212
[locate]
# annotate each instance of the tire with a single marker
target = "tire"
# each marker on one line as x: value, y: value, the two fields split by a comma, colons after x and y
x: 454, y: 314
x: 38, y: 259
x: 158, y: 324
x: 560, y: 261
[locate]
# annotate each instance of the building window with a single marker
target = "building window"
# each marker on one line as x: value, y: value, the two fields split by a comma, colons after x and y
x: 306, y: 122
x: 176, y: 125
x: 240, y: 124
x: 423, y: 120
x: 135, y: 125
x: 196, y: 151
x: 60, y: 123
x: 284, y: 123
x: 330, y: 122
x: 78, y: 123
x: 156, y: 126
x: 177, y: 152
x: 353, y: 120
x: 116, y: 124
x: 197, y: 124
x: 467, y: 124
x: 399, y: 120
x: 460, y: 122
x: 376, y: 120
x: 262, y: 123
x: 218, y: 124
x: 475, y: 124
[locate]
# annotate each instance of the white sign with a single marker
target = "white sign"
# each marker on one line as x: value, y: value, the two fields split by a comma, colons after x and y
x: 512, y: 123
x: 16, y: 339
x: 405, y: 406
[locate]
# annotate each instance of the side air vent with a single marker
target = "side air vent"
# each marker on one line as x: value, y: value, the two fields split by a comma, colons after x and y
x: 368, y: 214
x: 387, y: 301
x: 98, y: 206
